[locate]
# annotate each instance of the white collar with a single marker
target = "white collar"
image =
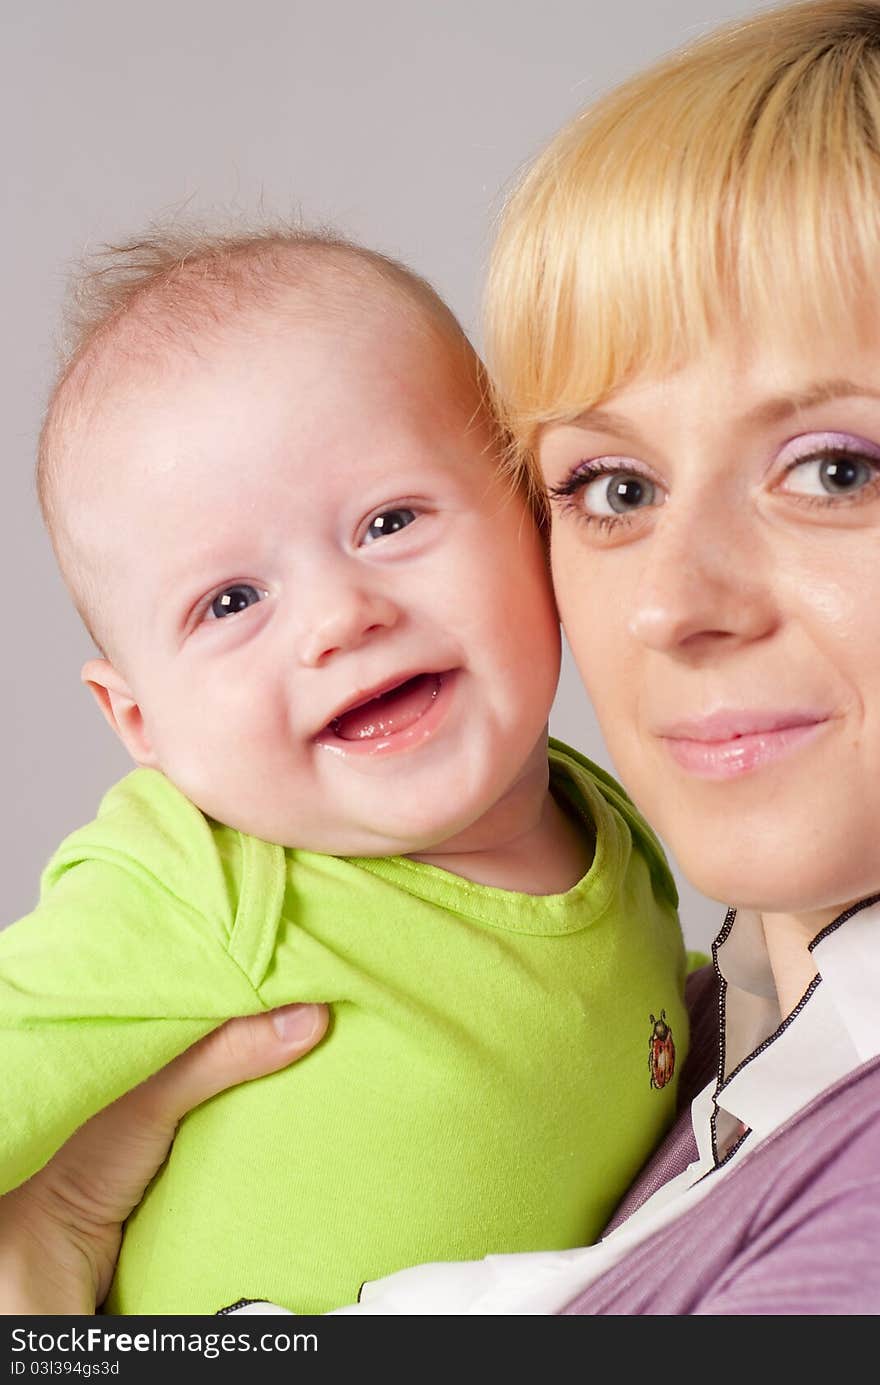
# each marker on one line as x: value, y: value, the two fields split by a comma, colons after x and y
x: 774, y: 1067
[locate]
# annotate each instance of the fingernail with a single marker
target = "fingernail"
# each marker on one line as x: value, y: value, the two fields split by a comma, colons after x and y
x: 294, y: 1023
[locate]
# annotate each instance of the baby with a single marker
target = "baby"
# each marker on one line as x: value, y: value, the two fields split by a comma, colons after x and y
x: 329, y: 643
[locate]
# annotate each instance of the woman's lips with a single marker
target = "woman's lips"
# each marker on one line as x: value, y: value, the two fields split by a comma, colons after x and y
x: 399, y: 719
x: 728, y: 744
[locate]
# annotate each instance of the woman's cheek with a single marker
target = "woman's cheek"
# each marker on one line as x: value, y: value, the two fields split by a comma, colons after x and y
x: 591, y: 607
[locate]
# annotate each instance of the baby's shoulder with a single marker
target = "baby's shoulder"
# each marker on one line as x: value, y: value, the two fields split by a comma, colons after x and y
x: 142, y: 817
x: 148, y: 831
x: 603, y: 796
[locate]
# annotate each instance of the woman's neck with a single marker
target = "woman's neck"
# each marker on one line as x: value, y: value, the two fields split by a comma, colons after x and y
x: 788, y: 938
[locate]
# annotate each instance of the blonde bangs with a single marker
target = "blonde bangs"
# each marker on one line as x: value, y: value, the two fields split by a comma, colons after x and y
x: 737, y: 182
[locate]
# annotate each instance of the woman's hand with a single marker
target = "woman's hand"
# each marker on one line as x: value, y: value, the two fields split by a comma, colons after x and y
x: 60, y: 1232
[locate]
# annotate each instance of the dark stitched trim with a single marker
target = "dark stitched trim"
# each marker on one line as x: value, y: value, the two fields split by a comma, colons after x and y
x: 734, y: 1147
x: 847, y: 914
x: 771, y: 1038
x: 239, y: 1303
x: 719, y: 1163
x: 722, y: 995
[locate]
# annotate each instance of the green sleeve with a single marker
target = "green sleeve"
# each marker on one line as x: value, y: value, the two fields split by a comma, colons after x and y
x: 128, y: 958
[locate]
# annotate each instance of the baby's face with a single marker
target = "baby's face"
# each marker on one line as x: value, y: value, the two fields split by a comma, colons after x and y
x: 332, y: 617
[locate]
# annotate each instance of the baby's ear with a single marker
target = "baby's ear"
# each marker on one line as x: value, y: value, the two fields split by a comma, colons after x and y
x: 114, y: 697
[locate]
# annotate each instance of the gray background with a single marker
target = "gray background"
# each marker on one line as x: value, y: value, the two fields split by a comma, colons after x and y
x: 399, y: 122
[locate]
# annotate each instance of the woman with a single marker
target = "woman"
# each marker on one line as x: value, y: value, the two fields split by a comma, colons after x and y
x: 686, y: 346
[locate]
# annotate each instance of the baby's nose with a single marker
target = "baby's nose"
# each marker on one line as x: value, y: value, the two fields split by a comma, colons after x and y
x: 344, y: 622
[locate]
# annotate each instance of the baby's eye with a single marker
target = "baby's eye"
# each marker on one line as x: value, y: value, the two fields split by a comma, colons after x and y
x: 388, y: 522
x: 830, y: 475
x: 234, y: 599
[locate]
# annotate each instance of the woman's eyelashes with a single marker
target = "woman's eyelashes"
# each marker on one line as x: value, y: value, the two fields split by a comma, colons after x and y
x: 607, y: 492
x: 831, y: 469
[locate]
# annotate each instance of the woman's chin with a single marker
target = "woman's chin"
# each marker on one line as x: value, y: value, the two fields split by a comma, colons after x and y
x: 769, y: 891
x: 773, y: 875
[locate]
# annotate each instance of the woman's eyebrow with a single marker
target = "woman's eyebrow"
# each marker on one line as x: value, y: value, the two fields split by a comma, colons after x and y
x: 820, y: 392
x: 603, y: 420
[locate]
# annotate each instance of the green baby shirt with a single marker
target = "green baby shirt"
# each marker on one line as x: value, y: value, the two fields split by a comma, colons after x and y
x: 498, y: 1067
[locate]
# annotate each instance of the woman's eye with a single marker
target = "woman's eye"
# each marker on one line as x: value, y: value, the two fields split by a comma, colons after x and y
x: 606, y: 493
x: 234, y: 599
x: 830, y: 475
x: 615, y: 493
x: 388, y: 522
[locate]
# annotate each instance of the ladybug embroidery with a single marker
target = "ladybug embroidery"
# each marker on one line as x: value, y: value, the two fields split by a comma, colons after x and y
x: 661, y: 1052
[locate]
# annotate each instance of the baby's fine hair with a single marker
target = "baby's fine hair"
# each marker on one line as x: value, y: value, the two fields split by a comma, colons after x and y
x: 737, y: 181
x: 133, y: 306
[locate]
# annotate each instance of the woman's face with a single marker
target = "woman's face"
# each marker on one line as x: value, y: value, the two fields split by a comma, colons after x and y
x: 716, y: 555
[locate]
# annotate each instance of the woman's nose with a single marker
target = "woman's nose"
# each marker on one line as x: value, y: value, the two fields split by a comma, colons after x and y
x: 340, y: 617
x: 700, y: 590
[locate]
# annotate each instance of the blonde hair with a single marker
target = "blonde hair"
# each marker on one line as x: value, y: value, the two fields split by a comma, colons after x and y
x: 737, y: 179
x: 133, y: 305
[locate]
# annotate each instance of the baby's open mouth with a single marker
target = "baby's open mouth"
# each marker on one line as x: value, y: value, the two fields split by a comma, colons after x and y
x: 390, y: 712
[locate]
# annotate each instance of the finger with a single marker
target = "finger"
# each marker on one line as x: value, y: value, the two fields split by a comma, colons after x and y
x: 241, y: 1049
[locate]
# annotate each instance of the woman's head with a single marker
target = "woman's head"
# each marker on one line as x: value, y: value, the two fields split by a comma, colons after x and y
x: 739, y: 178
x: 684, y: 332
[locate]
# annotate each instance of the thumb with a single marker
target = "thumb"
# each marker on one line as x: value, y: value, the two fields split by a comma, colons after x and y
x: 243, y: 1048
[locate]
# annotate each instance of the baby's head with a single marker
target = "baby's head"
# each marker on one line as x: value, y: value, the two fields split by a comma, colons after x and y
x: 275, y: 493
